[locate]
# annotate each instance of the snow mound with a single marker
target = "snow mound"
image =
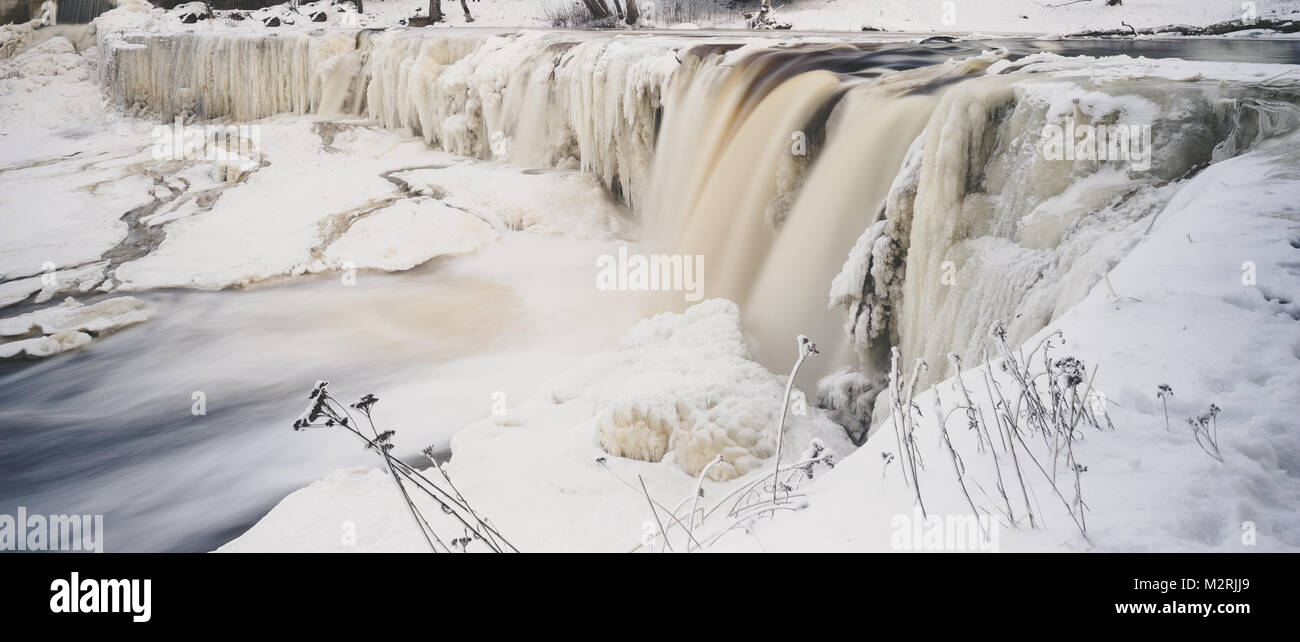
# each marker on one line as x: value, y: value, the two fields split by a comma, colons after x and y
x: 409, y: 233
x: 14, y: 36
x: 681, y: 388
x: 46, y: 86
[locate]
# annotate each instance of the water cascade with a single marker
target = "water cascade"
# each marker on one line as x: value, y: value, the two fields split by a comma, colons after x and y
x: 907, y: 186
x: 81, y: 11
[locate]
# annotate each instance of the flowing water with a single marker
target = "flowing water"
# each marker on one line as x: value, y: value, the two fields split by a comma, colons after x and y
x: 694, y: 131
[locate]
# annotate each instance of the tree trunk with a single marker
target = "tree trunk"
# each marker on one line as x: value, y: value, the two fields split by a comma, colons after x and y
x: 435, y: 10
x: 597, y: 8
x: 633, y: 12
x: 618, y: 10
x: 464, y: 7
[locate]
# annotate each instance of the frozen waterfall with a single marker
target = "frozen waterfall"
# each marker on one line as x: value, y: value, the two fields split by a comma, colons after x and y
x: 910, y: 183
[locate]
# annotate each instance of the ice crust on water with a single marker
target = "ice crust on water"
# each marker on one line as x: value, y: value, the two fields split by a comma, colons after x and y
x: 67, y: 326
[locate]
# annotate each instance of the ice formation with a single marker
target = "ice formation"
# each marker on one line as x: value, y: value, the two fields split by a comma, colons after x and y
x: 409, y: 233
x: 978, y: 222
x: 534, y: 98
x: 67, y: 326
x: 682, y: 387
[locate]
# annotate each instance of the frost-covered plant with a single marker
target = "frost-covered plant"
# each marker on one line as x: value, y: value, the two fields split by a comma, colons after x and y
x: 1205, y: 428
x: 678, y: 531
x: 901, y: 407
x: 327, y: 412
x: 806, y: 349
x: 1164, y: 392
x: 1055, y: 419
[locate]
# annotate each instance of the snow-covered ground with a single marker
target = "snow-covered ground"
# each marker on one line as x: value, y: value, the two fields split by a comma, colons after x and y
x: 1156, y: 319
x: 955, y: 16
x: 1035, y: 17
x: 1148, y: 487
x: 458, y: 165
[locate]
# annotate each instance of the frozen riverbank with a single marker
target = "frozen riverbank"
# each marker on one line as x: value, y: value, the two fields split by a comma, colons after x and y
x: 692, y: 140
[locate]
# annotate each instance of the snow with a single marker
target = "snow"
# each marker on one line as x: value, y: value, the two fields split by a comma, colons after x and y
x: 282, y: 220
x: 482, y: 155
x: 663, y: 404
x: 534, y: 472
x: 557, y: 203
x: 38, y: 347
x: 1015, y: 16
x: 408, y: 233
x: 975, y: 17
x: 1179, y: 290
x: 1035, y: 233
x: 67, y: 326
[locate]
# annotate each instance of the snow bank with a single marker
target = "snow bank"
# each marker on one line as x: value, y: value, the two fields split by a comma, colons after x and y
x: 409, y: 233
x: 15, y: 36
x: 50, y: 112
x: 46, y: 86
x: 965, y: 16
x: 1189, y: 313
x: 998, y: 16
x: 677, y: 380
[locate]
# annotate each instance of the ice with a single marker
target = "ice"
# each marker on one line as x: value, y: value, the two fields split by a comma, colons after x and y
x: 1186, y: 317
x: 534, y: 470
x: 409, y: 233
x: 1017, y: 235
x: 67, y: 326
x: 471, y: 94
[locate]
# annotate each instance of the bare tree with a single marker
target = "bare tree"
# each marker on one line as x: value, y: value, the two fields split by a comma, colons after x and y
x: 435, y: 10
x: 464, y: 7
x: 633, y: 12
x: 598, y: 8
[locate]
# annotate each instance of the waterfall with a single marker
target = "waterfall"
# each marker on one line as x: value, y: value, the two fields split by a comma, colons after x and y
x: 541, y: 99
x: 904, y: 186
x: 774, y: 186
x: 81, y: 11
